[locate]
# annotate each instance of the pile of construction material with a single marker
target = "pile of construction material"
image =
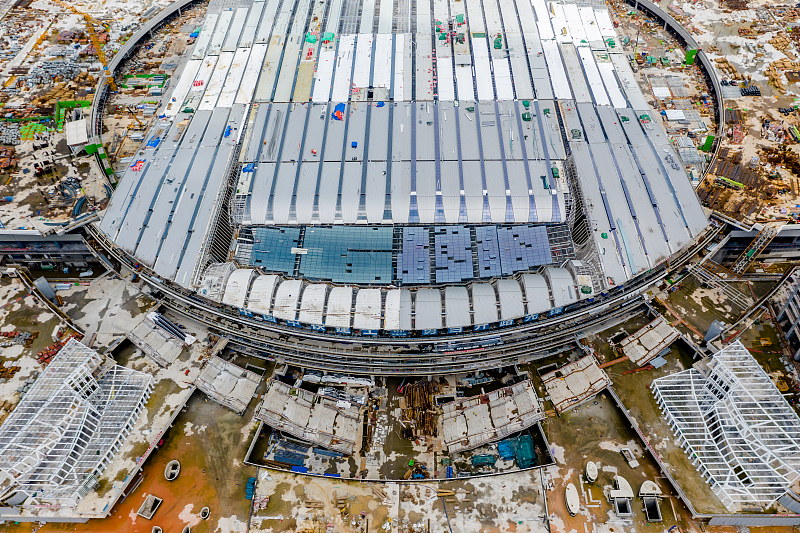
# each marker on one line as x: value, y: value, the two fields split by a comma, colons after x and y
x: 5, y: 409
x: 9, y: 133
x: 52, y: 71
x: 45, y: 356
x: 724, y: 66
x: 20, y: 337
x: 420, y: 413
x: 8, y: 370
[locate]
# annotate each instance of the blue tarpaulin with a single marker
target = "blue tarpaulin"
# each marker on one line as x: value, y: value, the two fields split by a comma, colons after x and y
x: 338, y: 112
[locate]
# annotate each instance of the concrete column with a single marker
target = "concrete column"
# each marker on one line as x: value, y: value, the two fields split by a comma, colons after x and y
x: 795, y: 291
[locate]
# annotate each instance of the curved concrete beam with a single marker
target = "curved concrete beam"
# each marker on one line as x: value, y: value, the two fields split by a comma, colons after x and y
x: 705, y: 63
x: 123, y: 53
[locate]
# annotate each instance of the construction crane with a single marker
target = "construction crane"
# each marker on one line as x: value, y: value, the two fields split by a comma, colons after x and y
x: 133, y: 114
x: 90, y: 23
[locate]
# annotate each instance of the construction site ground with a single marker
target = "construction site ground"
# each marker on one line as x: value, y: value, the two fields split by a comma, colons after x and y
x: 390, y: 452
x: 512, y: 502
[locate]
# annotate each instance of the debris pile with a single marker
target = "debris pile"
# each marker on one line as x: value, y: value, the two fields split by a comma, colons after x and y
x: 419, y: 413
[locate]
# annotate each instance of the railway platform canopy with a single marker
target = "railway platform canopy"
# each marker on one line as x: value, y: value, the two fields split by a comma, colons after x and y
x: 431, y: 154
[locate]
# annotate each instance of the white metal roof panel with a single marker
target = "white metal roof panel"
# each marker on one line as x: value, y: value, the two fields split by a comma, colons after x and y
x: 328, y: 189
x: 593, y: 75
x: 216, y: 82
x: 397, y: 310
x: 424, y: 66
x: 270, y: 69
x: 558, y: 76
x: 426, y: 147
x: 267, y: 18
x: 502, y: 79
x: 464, y: 83
x: 382, y: 76
x: 237, y: 286
x: 609, y: 254
x: 446, y: 79
x: 400, y: 54
x: 288, y: 72
x: 631, y: 245
x: 456, y: 304
x: 580, y: 89
x: 385, y: 17
x: 262, y: 184
x: 209, y: 206
x: 573, y: 18
x: 203, y: 75
x: 260, y: 299
x: 428, y: 309
x: 237, y: 25
x: 367, y: 16
x: 301, y: 8
x: 543, y: 20
x: 483, y: 71
x: 324, y: 75
x: 590, y: 25
x: 340, y: 306
x: 426, y: 191
x: 562, y: 285
x: 312, y: 303
x: 286, y: 298
x: 606, y: 69
x: 234, y: 78
x: 474, y: 17
x: 344, y: 62
x: 185, y: 212
x: 156, y: 224
x: 510, y: 299
x: 351, y: 194
x: 248, y: 84
x: 363, y: 62
x: 519, y: 65
x: 368, y: 309
x: 376, y: 191
x: 401, y: 189
x: 251, y: 25
x: 559, y: 21
x: 629, y: 84
x: 201, y: 44
x: 537, y: 294
x: 604, y: 22
x: 484, y: 303
x: 283, y: 192
x: 451, y: 198
x: 306, y: 182
x: 175, y: 103
x: 220, y: 31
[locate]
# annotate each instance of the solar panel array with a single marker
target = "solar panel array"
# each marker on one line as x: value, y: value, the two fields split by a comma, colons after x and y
x: 383, y: 255
x: 414, y: 260
x: 348, y: 254
x: 523, y: 247
x: 488, y: 252
x: 453, y: 254
x: 272, y: 248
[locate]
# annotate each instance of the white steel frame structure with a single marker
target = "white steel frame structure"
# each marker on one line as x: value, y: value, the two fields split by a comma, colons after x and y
x: 735, y: 426
x: 67, y: 428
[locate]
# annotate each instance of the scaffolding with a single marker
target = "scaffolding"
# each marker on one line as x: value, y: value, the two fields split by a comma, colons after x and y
x: 214, y: 280
x: 735, y: 426
x: 326, y: 422
x: 228, y: 384
x: 67, y: 428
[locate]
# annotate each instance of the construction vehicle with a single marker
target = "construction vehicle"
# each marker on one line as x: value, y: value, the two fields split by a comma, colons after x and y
x: 90, y: 23
x: 133, y: 114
